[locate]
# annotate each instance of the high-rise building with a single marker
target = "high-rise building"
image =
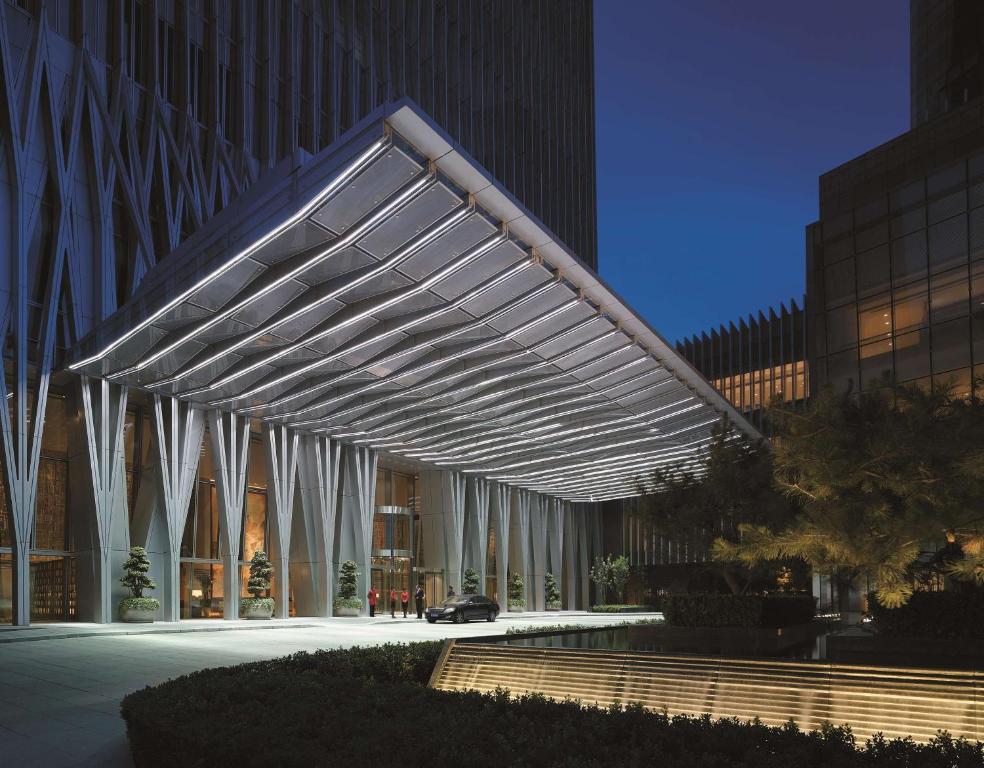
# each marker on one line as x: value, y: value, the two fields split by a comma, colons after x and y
x: 313, y: 278
x: 946, y: 64
x: 895, y: 264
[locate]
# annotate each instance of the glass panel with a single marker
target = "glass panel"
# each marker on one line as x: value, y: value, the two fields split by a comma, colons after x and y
x: 201, y: 590
x: 951, y: 345
x: 959, y: 382
x: 53, y: 588
x: 842, y: 370
x: 401, y: 532
x: 912, y: 311
x: 6, y: 589
x: 873, y: 270
x: 382, y: 478
x: 911, y: 355
x: 255, y: 527
x: 403, y: 490
x: 876, y: 322
x: 379, y: 531
x: 876, y: 363
x: 949, y: 297
x: 842, y: 330
x: 51, y: 521
x: 54, y: 436
x: 909, y: 257
x: 839, y: 282
x: 948, y: 243
x: 256, y: 472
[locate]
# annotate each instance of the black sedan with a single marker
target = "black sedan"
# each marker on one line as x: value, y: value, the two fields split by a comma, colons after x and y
x: 462, y: 608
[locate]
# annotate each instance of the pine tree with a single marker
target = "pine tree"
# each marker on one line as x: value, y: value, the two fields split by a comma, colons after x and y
x: 470, y: 584
x: 348, y: 579
x: 517, y: 591
x: 135, y: 569
x: 550, y: 592
x: 260, y: 571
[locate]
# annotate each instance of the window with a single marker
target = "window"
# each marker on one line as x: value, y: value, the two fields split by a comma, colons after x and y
x: 948, y: 243
x: 909, y: 257
x: 873, y: 270
x: 951, y: 345
x: 876, y: 322
x: 842, y: 330
x: 911, y: 307
x: 911, y: 355
x: 949, y: 297
x: 839, y: 282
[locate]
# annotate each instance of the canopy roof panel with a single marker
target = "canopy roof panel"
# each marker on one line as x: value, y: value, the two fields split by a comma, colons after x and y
x: 388, y: 292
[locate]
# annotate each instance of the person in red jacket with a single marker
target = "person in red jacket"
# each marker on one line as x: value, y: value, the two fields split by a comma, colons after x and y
x: 405, y: 600
x: 373, y: 594
x: 393, y: 602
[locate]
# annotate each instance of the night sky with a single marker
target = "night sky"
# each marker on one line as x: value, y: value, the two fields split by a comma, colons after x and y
x: 714, y: 120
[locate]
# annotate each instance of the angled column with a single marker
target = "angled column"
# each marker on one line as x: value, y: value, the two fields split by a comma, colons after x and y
x: 358, y: 494
x: 593, y: 522
x: 519, y: 538
x: 583, y: 556
x: 178, y: 431
x: 499, y: 509
x: 103, y: 411
x: 281, y: 457
x: 317, y: 465
x: 477, y: 527
x: 556, y: 514
x: 229, y: 438
x: 572, y: 558
x: 538, y: 549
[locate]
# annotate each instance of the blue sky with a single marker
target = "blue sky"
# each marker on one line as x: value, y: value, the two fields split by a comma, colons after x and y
x: 714, y: 120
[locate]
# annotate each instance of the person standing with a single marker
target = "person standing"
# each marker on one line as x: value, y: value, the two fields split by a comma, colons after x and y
x: 419, y: 597
x: 451, y: 592
x: 372, y: 595
x: 393, y: 602
x: 405, y: 601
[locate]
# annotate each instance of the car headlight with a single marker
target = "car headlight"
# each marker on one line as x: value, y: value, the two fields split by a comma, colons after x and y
x: 449, y: 610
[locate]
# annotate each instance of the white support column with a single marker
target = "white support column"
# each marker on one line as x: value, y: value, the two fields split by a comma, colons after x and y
x: 595, y: 538
x: 318, y: 478
x: 583, y: 556
x: 499, y: 509
x: 572, y: 581
x: 538, y: 540
x: 281, y: 458
x: 519, y: 538
x: 453, y: 507
x: 358, y: 507
x: 178, y: 429
x: 477, y: 527
x: 229, y: 438
x: 556, y: 514
x: 103, y: 414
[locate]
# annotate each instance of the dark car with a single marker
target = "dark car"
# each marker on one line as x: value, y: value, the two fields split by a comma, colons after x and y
x: 462, y: 608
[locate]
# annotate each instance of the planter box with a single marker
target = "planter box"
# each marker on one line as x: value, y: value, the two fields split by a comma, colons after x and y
x: 133, y: 615
x: 517, y: 608
x: 256, y: 609
x: 553, y: 606
x: 343, y: 611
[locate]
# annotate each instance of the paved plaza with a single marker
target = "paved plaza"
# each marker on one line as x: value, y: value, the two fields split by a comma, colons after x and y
x: 61, y: 685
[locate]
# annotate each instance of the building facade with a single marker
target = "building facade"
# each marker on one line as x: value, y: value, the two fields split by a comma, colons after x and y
x: 895, y: 264
x: 759, y: 359
x: 253, y: 298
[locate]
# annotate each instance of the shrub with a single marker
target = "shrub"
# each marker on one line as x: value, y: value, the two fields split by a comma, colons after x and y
x: 470, y: 585
x: 140, y: 603
x: 551, y: 594
x: 260, y: 571
x: 711, y: 610
x: 322, y: 708
x: 619, y: 608
x: 348, y: 581
x: 611, y: 573
x: 944, y: 615
x: 135, y: 576
x: 517, y: 591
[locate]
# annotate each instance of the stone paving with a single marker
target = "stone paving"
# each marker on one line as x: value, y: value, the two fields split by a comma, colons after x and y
x: 61, y: 684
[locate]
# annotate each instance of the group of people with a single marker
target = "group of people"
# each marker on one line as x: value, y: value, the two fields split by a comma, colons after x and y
x: 404, y: 597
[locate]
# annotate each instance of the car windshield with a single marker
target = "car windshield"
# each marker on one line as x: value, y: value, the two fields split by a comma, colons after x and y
x: 456, y: 600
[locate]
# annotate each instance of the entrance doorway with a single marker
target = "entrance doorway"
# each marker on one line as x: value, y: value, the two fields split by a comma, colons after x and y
x: 391, y: 573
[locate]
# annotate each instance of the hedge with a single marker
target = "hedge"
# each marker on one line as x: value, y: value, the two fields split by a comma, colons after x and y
x: 747, y: 611
x: 369, y: 707
x: 951, y: 615
x: 616, y: 608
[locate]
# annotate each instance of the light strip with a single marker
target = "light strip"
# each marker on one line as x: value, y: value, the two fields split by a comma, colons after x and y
x: 366, y: 157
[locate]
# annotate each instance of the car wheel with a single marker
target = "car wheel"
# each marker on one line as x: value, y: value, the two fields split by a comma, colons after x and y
x: 491, y: 616
x: 459, y: 618
x: 431, y: 621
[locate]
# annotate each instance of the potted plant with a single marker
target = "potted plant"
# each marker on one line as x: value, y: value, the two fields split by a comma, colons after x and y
x: 348, y: 603
x: 260, y: 571
x: 137, y: 608
x: 551, y: 594
x: 470, y: 585
x: 517, y: 593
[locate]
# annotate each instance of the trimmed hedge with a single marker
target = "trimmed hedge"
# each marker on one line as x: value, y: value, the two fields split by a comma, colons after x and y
x: 616, y: 608
x: 353, y: 708
x: 747, y: 611
x: 952, y: 615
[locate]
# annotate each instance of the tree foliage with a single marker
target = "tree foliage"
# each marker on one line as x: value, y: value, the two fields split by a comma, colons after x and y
x: 470, y: 585
x: 550, y: 592
x: 260, y: 573
x: 135, y: 570
x: 516, y: 590
x: 348, y: 579
x: 730, y: 485
x: 878, y: 476
x: 611, y: 573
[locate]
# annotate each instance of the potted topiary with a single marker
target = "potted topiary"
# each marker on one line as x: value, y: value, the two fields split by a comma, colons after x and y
x: 551, y: 594
x: 348, y: 603
x: 470, y: 585
x: 137, y: 608
x: 517, y: 594
x: 260, y: 571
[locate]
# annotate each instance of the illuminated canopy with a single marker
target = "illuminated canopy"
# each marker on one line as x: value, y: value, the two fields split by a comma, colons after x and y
x: 390, y: 293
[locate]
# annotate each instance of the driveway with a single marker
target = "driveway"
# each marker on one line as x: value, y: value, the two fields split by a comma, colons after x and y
x: 61, y: 685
